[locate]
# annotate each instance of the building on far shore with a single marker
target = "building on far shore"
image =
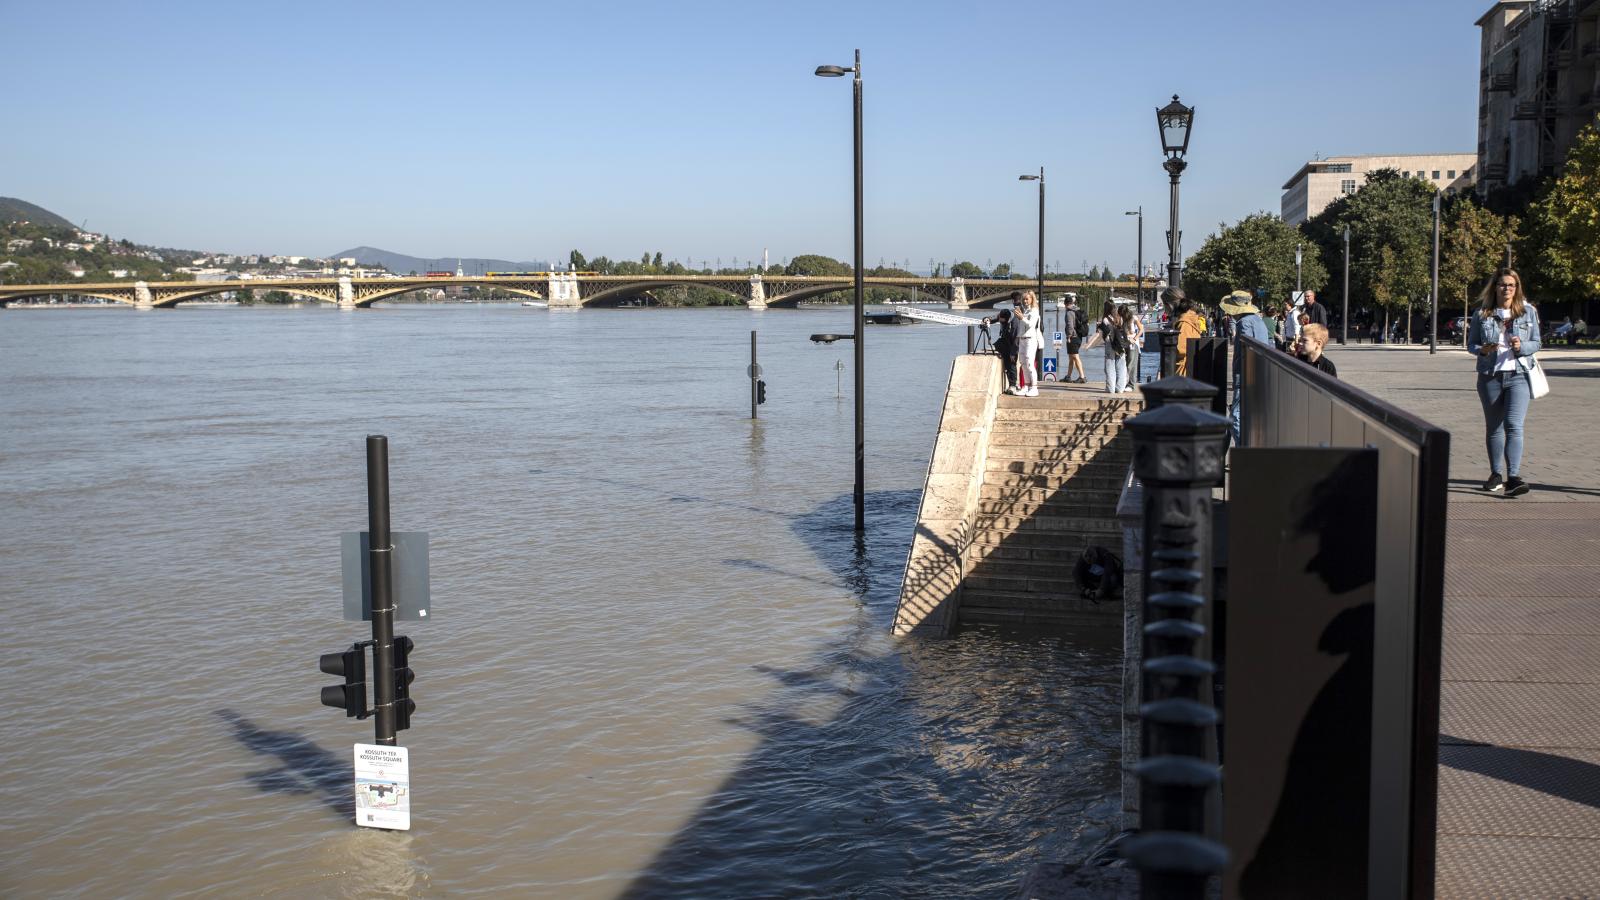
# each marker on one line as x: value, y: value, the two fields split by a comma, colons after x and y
x: 1538, y: 85
x: 1322, y: 181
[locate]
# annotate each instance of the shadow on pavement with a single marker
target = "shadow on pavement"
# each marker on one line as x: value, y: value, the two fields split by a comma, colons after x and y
x: 1559, y: 776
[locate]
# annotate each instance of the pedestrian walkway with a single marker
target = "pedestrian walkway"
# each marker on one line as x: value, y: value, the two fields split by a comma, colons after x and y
x: 1519, y: 773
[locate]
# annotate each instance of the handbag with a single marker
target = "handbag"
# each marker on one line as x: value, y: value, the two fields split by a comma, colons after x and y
x: 1538, y: 385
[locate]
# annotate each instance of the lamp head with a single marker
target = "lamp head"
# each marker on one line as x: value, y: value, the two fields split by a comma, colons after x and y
x: 1174, y: 121
x: 1027, y: 178
x: 833, y: 71
x: 830, y: 338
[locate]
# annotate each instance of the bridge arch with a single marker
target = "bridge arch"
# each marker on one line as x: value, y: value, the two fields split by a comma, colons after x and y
x: 166, y: 300
x: 646, y: 284
x: 365, y: 301
x: 54, y: 292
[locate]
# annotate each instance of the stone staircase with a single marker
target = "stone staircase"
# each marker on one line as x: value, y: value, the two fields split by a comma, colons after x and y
x: 1054, y: 468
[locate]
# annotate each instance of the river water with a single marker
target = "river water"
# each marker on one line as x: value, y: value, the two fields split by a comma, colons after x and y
x: 658, y: 662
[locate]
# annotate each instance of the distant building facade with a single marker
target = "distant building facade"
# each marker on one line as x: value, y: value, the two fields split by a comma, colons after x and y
x: 1322, y: 181
x: 1538, y: 85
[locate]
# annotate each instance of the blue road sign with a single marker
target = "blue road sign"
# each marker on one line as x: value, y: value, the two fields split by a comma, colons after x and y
x: 1059, y: 337
x: 1049, y: 365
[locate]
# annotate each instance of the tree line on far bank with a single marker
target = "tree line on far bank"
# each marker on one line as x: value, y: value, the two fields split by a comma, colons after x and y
x: 1551, y: 226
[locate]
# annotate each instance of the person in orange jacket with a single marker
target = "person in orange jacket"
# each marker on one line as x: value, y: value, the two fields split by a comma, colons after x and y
x: 1190, y: 325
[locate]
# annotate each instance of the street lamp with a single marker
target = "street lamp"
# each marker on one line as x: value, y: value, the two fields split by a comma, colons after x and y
x: 1433, y: 328
x: 1297, y: 255
x: 1040, y: 178
x: 1138, y: 269
x: 1174, y: 121
x: 1344, y: 338
x: 861, y: 392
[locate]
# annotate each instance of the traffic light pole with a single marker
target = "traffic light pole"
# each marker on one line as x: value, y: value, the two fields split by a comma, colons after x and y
x: 380, y: 552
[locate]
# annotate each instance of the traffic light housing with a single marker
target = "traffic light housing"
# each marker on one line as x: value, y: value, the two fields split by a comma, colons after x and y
x: 404, y: 706
x: 352, y: 695
x: 761, y: 392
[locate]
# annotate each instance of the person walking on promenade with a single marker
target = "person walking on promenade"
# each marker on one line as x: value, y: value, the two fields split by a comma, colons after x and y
x: 1505, y: 336
x: 1006, y: 345
x: 1291, y: 325
x: 1113, y: 336
x: 1027, y: 316
x: 1190, y: 327
x: 1075, y: 334
x: 1135, y: 329
x: 1274, y: 325
x: 1317, y: 312
x: 1247, y: 323
x: 1312, y: 339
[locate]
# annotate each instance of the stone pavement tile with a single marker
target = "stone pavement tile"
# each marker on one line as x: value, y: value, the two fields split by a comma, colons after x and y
x: 1500, y: 790
x: 1573, y: 613
x: 1556, y: 658
x: 1521, y: 715
x: 1498, y: 867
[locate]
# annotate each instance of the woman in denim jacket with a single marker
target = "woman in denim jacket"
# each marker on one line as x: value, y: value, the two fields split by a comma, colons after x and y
x: 1505, y: 336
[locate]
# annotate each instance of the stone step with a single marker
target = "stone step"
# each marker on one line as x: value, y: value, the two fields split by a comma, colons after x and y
x: 1118, y: 454
x: 1080, y: 400
x: 1030, y: 426
x: 1011, y: 524
x: 985, y: 542
x: 1100, y: 465
x: 1071, y: 440
x: 1007, y: 552
x: 1091, y: 478
x: 1059, y: 414
x: 1070, y: 494
x: 1056, y: 571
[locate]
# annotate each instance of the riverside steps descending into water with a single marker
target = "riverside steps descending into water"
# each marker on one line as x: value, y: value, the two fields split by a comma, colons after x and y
x: 1017, y: 489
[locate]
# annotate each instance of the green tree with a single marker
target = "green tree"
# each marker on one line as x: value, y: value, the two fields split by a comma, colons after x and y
x: 1471, y: 247
x: 576, y: 260
x: 1390, y: 211
x: 1256, y: 254
x: 655, y: 264
x: 1561, y: 246
x: 965, y: 269
x: 1002, y: 271
x: 812, y: 264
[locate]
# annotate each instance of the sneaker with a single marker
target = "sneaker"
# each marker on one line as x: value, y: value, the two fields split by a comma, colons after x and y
x: 1495, y: 483
x: 1516, y: 487
x: 1032, y: 392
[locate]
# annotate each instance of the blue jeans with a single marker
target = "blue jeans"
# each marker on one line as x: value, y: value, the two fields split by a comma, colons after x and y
x: 1505, y: 397
x: 1116, y: 373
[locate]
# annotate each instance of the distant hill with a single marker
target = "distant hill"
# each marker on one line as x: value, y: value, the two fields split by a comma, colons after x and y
x: 400, y: 264
x: 13, y: 210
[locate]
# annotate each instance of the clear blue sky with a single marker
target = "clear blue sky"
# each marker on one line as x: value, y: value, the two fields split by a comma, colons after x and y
x: 524, y: 129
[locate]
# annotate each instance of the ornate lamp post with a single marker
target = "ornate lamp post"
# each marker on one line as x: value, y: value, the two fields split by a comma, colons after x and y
x: 1174, y: 121
x: 861, y: 389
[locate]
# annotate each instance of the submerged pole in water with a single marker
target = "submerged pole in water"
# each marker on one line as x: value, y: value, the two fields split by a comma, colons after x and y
x: 755, y: 375
x: 380, y: 552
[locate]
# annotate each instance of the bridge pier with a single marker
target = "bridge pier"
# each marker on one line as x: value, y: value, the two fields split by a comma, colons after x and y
x: 563, y: 292
x: 347, y: 293
x: 141, y: 296
x: 758, y: 293
x: 958, y: 294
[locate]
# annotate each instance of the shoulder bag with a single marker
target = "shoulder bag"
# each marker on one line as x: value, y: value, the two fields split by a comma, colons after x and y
x: 1538, y: 385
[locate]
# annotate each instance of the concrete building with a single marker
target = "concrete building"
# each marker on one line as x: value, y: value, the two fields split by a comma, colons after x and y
x: 1538, y: 85
x: 1322, y: 181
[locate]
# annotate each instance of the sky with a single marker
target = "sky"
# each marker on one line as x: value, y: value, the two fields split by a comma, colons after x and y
x: 523, y: 130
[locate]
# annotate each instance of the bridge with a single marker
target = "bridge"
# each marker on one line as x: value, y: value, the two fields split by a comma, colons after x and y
x: 559, y: 289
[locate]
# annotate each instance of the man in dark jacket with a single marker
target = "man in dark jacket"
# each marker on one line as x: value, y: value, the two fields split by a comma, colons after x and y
x: 1317, y: 312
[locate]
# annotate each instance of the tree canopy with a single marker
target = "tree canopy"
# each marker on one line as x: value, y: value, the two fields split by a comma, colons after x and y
x: 1562, y: 240
x: 1391, y: 212
x: 1256, y: 254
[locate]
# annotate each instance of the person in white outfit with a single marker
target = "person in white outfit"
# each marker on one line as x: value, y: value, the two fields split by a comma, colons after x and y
x: 1135, y: 329
x: 1028, y: 344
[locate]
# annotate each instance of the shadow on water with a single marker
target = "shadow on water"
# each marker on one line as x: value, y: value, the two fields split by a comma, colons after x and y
x: 303, y: 767
x: 888, y: 768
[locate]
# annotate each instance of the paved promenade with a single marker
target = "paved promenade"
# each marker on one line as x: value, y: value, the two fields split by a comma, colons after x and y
x: 1519, y: 775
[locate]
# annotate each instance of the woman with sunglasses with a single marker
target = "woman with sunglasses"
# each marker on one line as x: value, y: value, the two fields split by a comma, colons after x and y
x: 1505, y: 336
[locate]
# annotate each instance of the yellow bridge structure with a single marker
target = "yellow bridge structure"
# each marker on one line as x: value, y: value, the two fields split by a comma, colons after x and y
x: 558, y: 289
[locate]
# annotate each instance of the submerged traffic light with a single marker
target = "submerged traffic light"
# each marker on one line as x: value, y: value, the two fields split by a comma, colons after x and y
x: 404, y: 706
x: 352, y: 695
x: 761, y: 392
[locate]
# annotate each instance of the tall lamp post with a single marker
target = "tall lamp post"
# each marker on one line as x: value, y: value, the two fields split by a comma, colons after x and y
x: 1174, y: 121
x: 1433, y: 327
x: 1344, y: 337
x: 1039, y: 178
x: 860, y: 316
x: 1138, y: 269
x: 1298, y: 253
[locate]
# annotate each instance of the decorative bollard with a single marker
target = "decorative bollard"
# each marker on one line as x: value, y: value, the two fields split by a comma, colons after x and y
x: 1169, y: 352
x: 1177, y: 390
x: 1178, y: 457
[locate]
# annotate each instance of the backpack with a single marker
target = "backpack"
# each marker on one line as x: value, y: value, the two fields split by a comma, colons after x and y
x: 1116, y: 338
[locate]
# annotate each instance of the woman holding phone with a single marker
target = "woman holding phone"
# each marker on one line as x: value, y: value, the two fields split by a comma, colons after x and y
x: 1504, y: 335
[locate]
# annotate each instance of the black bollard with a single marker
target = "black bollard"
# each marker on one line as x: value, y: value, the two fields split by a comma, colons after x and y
x: 1178, y: 457
x: 1169, y: 352
x: 1179, y: 390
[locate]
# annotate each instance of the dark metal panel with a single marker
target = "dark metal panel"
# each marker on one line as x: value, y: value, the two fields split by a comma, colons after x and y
x: 1300, y: 672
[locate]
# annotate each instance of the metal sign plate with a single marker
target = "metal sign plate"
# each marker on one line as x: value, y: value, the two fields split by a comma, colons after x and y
x: 383, y: 786
x: 408, y: 575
